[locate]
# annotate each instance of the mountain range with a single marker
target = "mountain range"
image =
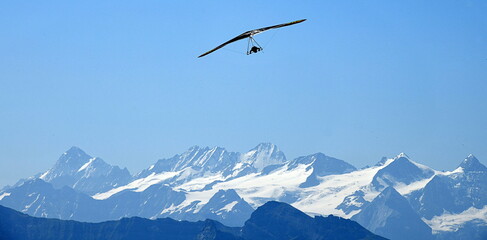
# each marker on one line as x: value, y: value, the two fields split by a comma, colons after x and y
x: 391, y: 198
x: 273, y: 220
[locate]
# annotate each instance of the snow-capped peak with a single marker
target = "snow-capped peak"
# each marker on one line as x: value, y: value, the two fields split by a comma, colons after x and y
x: 471, y: 163
x: 87, y: 174
x: 401, y: 171
x: 266, y: 146
x: 402, y: 155
x: 405, y: 158
x: 68, y: 164
x: 73, y: 157
x: 263, y: 155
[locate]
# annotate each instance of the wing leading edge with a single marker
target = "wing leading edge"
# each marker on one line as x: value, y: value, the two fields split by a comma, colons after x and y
x: 250, y: 34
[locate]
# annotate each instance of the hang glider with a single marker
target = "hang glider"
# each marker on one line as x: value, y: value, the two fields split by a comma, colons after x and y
x: 249, y: 34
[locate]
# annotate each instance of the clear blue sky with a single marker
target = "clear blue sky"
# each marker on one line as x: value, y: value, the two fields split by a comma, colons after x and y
x: 359, y: 80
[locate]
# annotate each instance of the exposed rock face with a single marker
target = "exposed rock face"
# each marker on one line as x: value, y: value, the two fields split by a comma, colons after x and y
x: 391, y: 216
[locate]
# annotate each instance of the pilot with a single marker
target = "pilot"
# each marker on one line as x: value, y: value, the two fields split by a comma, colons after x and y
x: 254, y: 49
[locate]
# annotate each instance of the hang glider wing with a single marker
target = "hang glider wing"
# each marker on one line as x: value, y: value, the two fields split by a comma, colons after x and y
x: 239, y: 37
x: 256, y: 31
x: 250, y: 34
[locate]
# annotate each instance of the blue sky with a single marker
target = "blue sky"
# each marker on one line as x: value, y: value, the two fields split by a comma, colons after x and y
x: 359, y: 80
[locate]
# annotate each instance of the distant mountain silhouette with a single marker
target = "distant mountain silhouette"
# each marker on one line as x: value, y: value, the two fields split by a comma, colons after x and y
x: 273, y: 220
x: 276, y: 220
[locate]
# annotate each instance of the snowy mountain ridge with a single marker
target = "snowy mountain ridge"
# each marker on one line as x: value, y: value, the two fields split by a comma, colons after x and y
x: 227, y: 186
x: 84, y: 173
